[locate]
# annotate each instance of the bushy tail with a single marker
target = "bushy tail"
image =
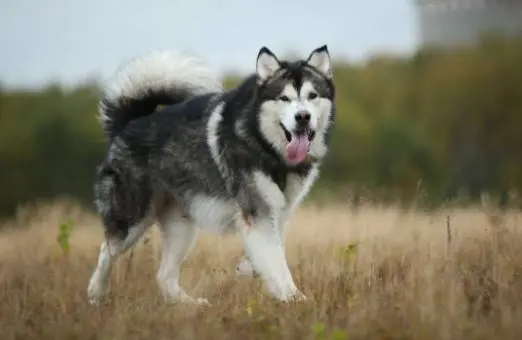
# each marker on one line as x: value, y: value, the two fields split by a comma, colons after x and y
x: 157, y: 78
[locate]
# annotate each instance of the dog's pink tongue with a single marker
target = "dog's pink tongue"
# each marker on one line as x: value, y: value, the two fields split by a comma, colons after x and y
x: 297, y: 149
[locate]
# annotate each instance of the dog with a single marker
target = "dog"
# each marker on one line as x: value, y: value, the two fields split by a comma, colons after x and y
x: 238, y: 160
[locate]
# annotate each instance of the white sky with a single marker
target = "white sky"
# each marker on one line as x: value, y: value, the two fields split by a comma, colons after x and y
x: 69, y: 40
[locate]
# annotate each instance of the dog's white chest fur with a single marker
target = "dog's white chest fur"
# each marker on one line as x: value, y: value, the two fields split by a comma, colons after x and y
x: 297, y: 187
x: 217, y: 214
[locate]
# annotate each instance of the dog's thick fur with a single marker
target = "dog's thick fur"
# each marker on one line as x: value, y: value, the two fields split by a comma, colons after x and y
x: 238, y: 160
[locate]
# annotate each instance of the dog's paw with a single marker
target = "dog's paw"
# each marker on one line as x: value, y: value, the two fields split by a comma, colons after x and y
x: 96, y: 292
x: 197, y: 302
x: 94, y: 301
x: 182, y: 298
x: 301, y: 297
x: 296, y: 297
x: 202, y: 302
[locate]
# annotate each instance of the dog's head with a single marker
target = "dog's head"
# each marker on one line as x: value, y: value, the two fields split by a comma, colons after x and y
x: 296, y: 104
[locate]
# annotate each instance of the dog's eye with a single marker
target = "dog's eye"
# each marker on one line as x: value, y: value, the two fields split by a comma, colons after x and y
x: 284, y: 98
x: 312, y: 96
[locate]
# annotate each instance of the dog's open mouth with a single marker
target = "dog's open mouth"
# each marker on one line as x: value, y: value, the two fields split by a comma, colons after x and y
x: 307, y: 131
x: 299, y: 143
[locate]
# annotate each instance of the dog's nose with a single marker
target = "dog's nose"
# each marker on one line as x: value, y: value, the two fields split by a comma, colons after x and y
x: 302, y: 117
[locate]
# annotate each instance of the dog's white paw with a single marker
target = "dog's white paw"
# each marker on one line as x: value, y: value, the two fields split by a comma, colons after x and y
x: 300, y: 297
x: 202, y: 302
x: 97, y: 289
x: 95, y: 293
x: 296, y: 297
x: 183, y: 298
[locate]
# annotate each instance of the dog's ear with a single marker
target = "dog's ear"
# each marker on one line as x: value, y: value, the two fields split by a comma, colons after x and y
x: 320, y: 60
x: 267, y: 64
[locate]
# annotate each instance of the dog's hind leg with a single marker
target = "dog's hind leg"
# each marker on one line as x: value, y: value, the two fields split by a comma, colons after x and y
x: 179, y: 236
x: 110, y: 250
x: 123, y: 199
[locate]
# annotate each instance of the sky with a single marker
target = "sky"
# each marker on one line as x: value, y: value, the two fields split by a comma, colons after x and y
x: 68, y: 41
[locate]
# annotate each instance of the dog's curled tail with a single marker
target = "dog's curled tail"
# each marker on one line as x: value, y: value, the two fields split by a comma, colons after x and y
x: 156, y: 78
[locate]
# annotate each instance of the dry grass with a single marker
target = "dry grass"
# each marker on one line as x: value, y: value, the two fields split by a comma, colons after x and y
x: 398, y: 280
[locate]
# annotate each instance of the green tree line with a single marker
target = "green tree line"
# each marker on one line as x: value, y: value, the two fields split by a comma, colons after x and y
x: 446, y: 121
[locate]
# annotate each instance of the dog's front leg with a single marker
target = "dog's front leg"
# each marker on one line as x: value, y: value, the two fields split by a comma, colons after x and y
x: 244, y: 267
x: 265, y: 249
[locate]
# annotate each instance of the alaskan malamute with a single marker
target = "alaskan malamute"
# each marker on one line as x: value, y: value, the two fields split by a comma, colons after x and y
x: 238, y: 160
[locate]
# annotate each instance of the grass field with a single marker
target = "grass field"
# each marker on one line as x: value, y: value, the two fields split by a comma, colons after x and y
x: 371, y: 273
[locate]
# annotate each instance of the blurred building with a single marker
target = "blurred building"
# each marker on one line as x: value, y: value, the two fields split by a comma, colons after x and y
x: 457, y: 22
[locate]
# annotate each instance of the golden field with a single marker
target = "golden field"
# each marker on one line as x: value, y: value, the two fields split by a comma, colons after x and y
x: 370, y: 273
